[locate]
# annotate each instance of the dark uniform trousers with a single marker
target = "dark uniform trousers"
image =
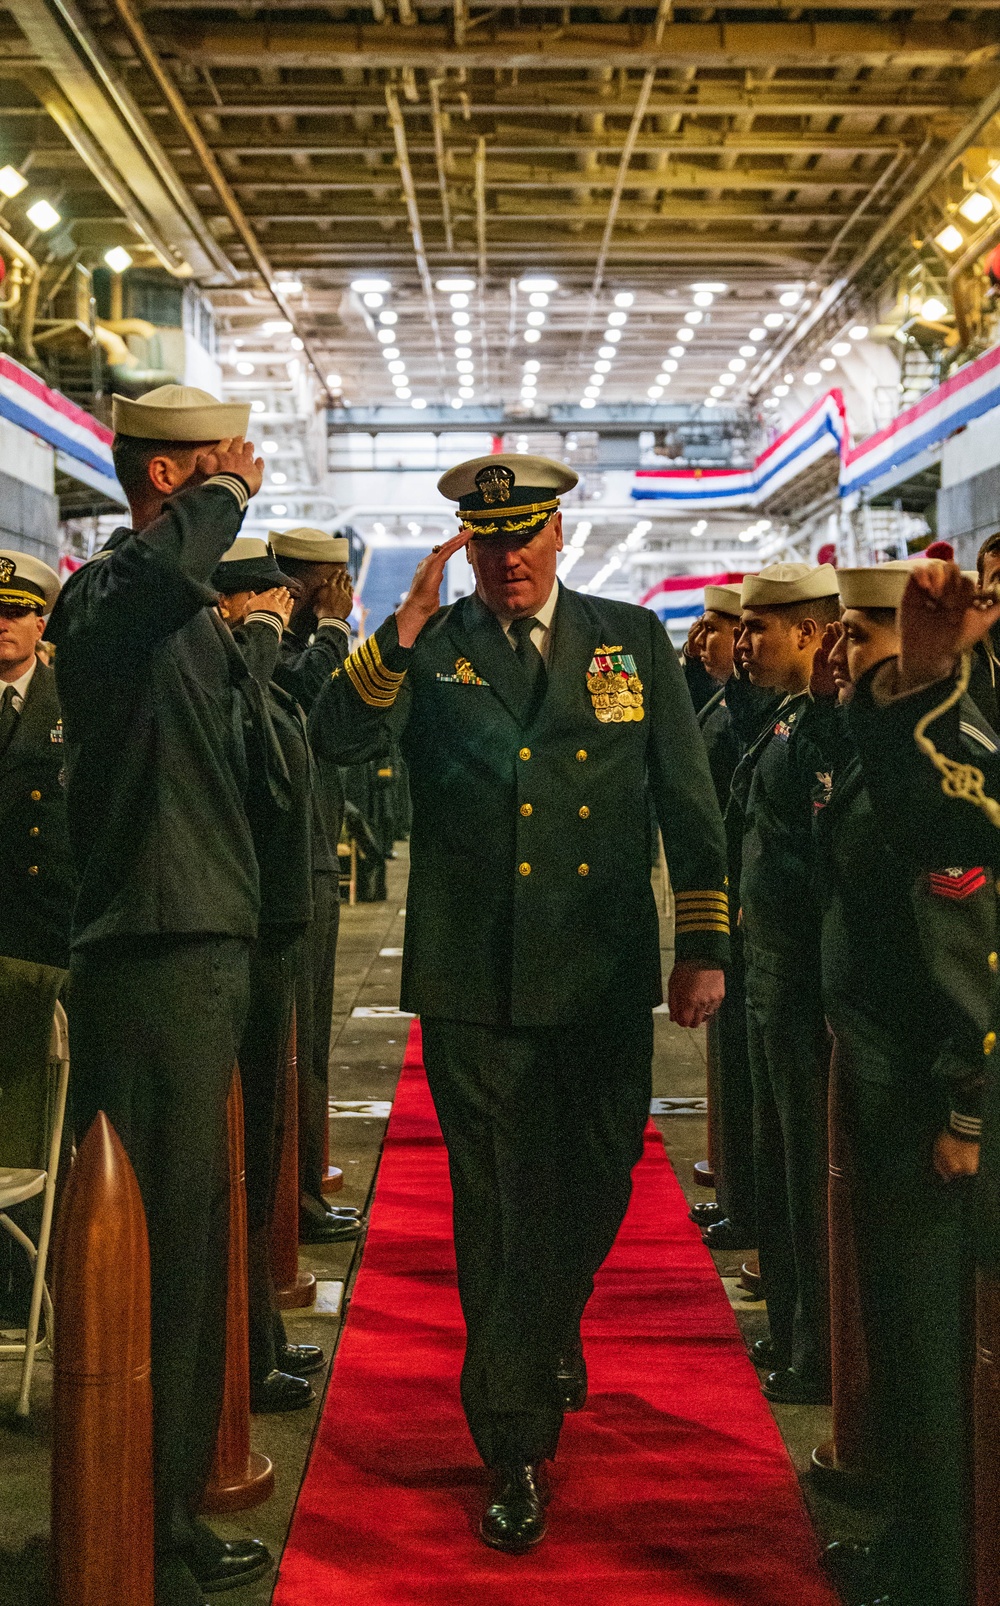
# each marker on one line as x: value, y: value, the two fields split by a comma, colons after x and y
x: 916, y: 1264
x: 789, y: 1052
x: 262, y: 1060
x: 317, y: 958
x: 155, y: 1023
x: 542, y: 1128
x: 732, y: 1113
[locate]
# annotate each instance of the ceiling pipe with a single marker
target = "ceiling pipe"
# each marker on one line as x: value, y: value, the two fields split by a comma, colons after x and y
x: 439, y: 155
x: 413, y: 211
x: 192, y: 130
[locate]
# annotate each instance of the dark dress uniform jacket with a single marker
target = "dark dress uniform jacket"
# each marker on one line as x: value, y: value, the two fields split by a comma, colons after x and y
x: 302, y: 670
x: 159, y: 707
x: 36, y: 867
x: 530, y: 902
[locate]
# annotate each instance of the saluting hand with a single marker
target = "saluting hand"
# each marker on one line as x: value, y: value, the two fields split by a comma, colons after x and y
x: 335, y: 598
x: 424, y: 596
x: 232, y: 457
x: 940, y: 617
x: 279, y: 601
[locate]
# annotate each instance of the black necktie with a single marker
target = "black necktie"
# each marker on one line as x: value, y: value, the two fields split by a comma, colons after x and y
x: 529, y: 657
x: 8, y: 718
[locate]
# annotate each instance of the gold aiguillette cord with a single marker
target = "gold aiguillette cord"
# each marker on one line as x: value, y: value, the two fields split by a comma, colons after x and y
x: 962, y: 781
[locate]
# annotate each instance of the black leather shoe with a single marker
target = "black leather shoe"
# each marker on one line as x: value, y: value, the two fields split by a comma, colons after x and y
x: 240, y: 1561
x: 788, y: 1388
x: 318, y: 1209
x: 705, y: 1215
x: 280, y: 1391
x: 300, y: 1359
x: 571, y: 1378
x: 515, y: 1518
x: 331, y: 1231
x: 723, y: 1235
x: 763, y: 1353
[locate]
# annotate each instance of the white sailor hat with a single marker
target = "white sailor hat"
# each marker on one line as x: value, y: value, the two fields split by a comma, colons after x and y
x: 723, y: 599
x: 781, y: 583
x: 878, y: 587
x: 179, y: 413
x: 27, y: 582
x: 310, y: 546
x: 507, y: 493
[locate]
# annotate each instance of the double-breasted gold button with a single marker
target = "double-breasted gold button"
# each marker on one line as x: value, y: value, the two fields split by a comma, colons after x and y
x: 34, y: 831
x: 584, y: 869
x: 585, y: 813
x: 525, y: 869
x: 989, y: 1042
x: 525, y: 753
x: 994, y: 963
x: 32, y: 869
x: 581, y: 755
x: 526, y: 809
x: 36, y: 797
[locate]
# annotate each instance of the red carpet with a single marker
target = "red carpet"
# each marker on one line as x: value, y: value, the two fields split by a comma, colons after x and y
x: 672, y: 1486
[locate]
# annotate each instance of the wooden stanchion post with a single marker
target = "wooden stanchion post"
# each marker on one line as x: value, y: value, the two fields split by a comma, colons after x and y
x: 102, y: 1408
x: 240, y: 1477
x: 293, y: 1289
x: 849, y: 1455
x: 986, y: 1416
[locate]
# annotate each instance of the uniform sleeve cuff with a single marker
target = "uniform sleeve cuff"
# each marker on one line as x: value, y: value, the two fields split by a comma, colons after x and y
x: 261, y: 617
x: 967, y: 1127
x: 335, y: 624
x: 234, y: 484
x: 709, y: 949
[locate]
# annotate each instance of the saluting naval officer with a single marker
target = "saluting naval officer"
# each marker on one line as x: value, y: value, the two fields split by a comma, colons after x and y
x: 163, y: 727
x: 537, y: 724
x: 36, y: 867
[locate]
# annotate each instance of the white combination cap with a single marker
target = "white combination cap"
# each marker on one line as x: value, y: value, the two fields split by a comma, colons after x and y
x: 27, y: 582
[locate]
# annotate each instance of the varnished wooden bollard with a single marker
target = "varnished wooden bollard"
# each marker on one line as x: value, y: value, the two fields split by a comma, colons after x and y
x: 293, y: 1288
x: 102, y: 1407
x: 240, y: 1477
x: 986, y: 1415
x: 850, y: 1453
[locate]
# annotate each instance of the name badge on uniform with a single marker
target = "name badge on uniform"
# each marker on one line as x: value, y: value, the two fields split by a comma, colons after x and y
x: 56, y: 734
x: 614, y: 686
x: 464, y: 675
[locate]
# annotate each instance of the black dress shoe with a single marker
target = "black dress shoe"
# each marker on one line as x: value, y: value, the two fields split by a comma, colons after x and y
x: 300, y: 1358
x: 331, y: 1231
x: 318, y: 1209
x: 280, y: 1391
x: 763, y: 1353
x: 571, y: 1379
x: 723, y: 1235
x: 705, y: 1215
x: 788, y: 1388
x: 515, y: 1518
x: 239, y: 1562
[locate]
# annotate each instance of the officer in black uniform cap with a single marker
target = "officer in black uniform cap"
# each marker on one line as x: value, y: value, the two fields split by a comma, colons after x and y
x: 164, y: 723
x: 36, y: 872
x: 537, y: 723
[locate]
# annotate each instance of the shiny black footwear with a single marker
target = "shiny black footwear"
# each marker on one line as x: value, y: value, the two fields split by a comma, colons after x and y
x: 300, y: 1359
x: 238, y: 1562
x: 279, y: 1391
x: 763, y: 1353
x: 515, y: 1518
x: 571, y: 1380
x: 788, y: 1388
x: 723, y: 1235
x: 332, y: 1230
x: 705, y: 1215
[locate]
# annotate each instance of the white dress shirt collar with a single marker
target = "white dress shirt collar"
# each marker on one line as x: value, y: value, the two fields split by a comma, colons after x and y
x: 20, y: 685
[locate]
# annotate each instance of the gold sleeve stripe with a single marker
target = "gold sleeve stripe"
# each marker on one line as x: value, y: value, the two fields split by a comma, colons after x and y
x: 709, y: 892
x: 374, y: 684
x: 686, y: 928
x: 691, y: 899
x: 684, y: 909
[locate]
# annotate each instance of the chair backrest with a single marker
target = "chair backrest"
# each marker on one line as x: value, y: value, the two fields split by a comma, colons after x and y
x: 31, y: 1046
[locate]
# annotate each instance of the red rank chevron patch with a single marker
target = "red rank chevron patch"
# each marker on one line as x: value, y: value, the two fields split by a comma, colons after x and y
x: 957, y: 884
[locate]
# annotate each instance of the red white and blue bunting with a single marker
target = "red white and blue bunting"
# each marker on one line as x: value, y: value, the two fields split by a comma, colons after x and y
x: 679, y: 601
x: 81, y: 443
x: 972, y: 391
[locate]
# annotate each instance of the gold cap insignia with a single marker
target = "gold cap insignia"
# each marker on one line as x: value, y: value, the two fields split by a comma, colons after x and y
x: 7, y: 571
x: 495, y: 483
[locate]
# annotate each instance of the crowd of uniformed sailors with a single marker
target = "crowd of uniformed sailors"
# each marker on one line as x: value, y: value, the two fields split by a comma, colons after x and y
x: 191, y: 891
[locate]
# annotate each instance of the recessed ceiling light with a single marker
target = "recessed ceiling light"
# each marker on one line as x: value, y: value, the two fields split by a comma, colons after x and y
x: 404, y: 393
x: 245, y: 368
x: 532, y: 366
x: 419, y: 403
x: 456, y: 401
x: 790, y: 298
x: 385, y: 335
x: 466, y: 392
x: 592, y: 391
x: 656, y: 391
x: 447, y: 285
x: 384, y: 317
x: 976, y: 206
x: 950, y: 239
x: 758, y: 334
x: 685, y: 334
x: 789, y: 379
x: 602, y: 368
x: 773, y: 320
x: 118, y: 260
x: 933, y: 309
x: 44, y: 216
x: 11, y: 182
x: 858, y: 332
x: 390, y: 353
x: 748, y: 351
x: 461, y: 320
x: 812, y: 378
x: 612, y: 334
x: 828, y: 364
x: 692, y: 317
x: 717, y: 390
x: 588, y: 401
x: 781, y: 390
x: 669, y: 367
x: 616, y: 320
x: 278, y: 508
x: 361, y: 286
x: 535, y: 319
x: 772, y: 401
x: 538, y: 298
x: 297, y: 344
x: 737, y: 364
x: 279, y: 479
x: 727, y: 379
x: 531, y: 335
x: 677, y: 351
x: 663, y: 379
x: 258, y: 406
x: 533, y: 283
x: 373, y: 298
x: 459, y: 299
x: 269, y: 446
x: 703, y: 298
x: 597, y: 379
x: 333, y: 380
x: 624, y: 298
x: 841, y: 348
x: 711, y: 287
x: 710, y: 401
x: 607, y: 351
x: 397, y: 366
